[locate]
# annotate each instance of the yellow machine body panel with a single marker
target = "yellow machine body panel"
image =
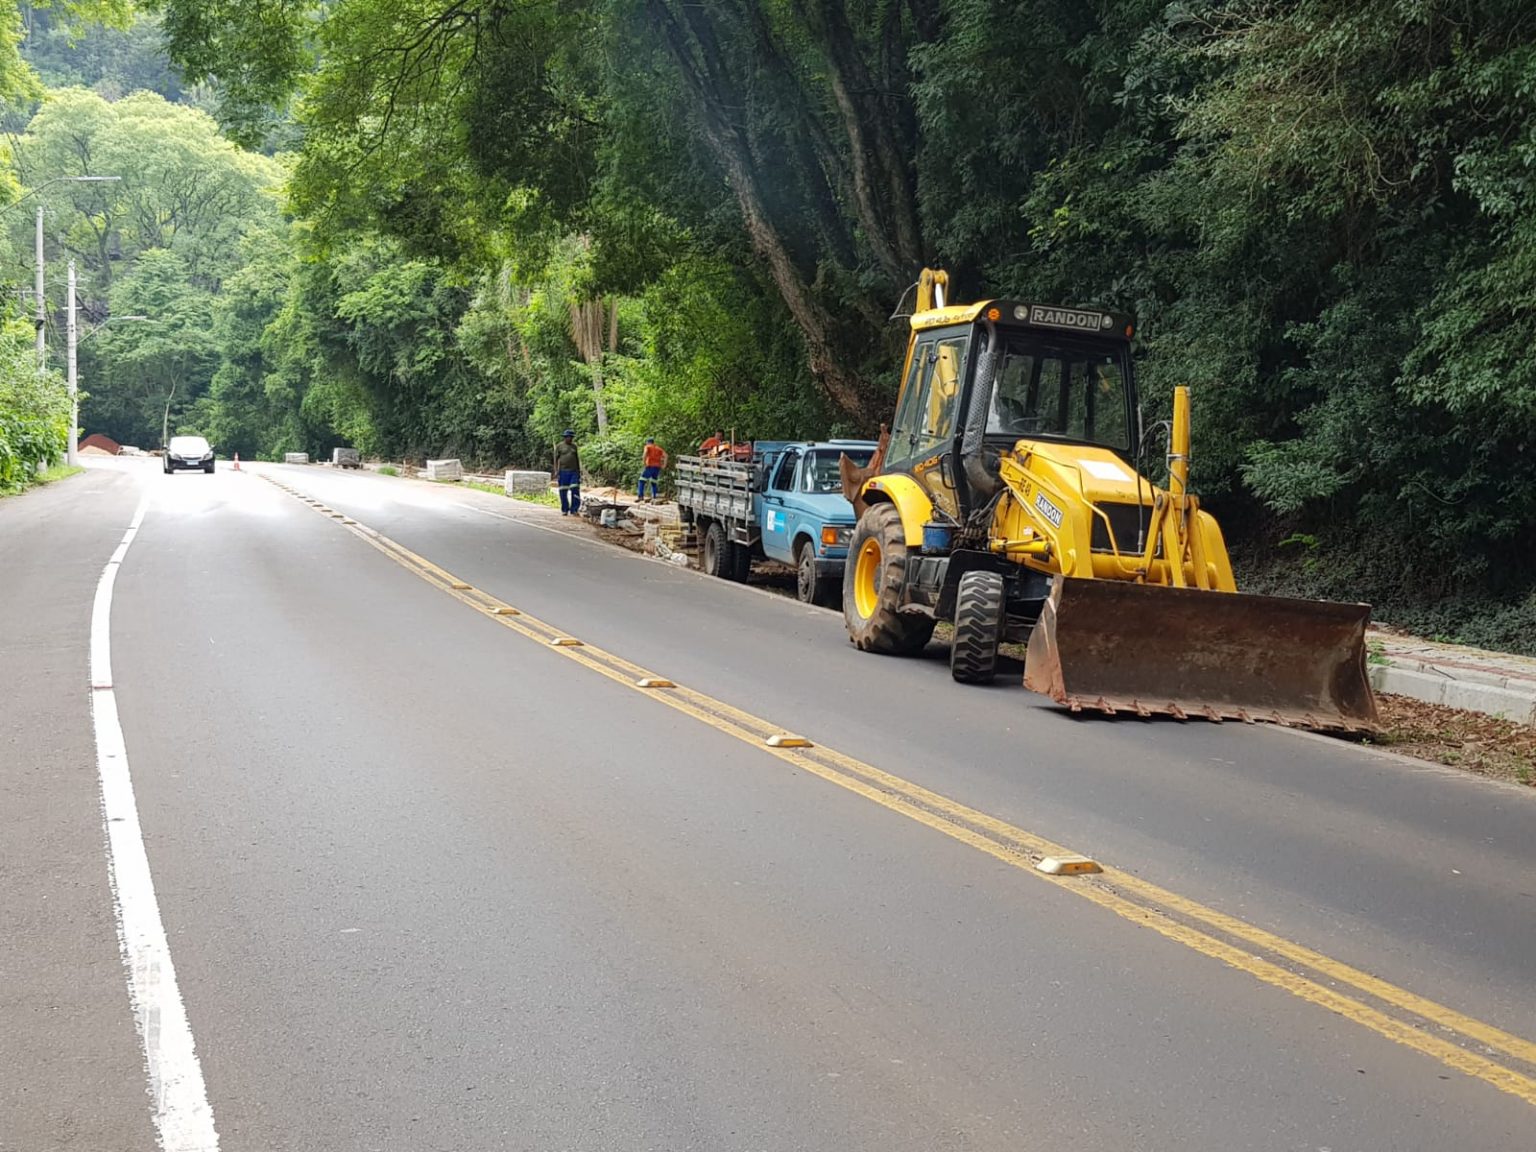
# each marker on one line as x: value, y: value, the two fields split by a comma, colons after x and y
x: 930, y: 474
x: 911, y: 501
x: 1100, y: 518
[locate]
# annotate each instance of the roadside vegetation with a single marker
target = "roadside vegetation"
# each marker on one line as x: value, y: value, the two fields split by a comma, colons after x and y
x: 34, y: 411
x: 56, y: 472
x: 548, y: 499
x: 453, y: 229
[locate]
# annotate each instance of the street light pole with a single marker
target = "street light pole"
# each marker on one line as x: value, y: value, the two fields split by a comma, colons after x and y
x: 73, y: 456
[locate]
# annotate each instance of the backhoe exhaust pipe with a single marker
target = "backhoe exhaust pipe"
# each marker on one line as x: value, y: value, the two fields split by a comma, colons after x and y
x: 981, y: 476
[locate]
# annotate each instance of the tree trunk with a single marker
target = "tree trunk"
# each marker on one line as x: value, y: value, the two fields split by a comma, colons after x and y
x: 841, y: 386
x: 887, y: 201
x: 587, y: 335
x: 824, y: 171
x: 926, y: 18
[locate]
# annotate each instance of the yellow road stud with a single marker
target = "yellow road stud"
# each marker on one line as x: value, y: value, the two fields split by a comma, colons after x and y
x: 459, y: 585
x: 1067, y: 866
x: 505, y: 610
x: 654, y: 682
x: 565, y: 642
x: 786, y: 740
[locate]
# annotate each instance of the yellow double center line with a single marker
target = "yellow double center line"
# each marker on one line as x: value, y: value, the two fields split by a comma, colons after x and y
x: 1506, y: 1061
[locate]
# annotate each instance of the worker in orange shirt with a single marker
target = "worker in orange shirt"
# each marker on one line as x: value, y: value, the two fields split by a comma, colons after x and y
x: 652, y: 461
x: 712, y: 446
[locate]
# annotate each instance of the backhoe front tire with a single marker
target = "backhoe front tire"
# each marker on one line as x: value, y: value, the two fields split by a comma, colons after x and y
x: 980, y: 613
x: 872, y: 585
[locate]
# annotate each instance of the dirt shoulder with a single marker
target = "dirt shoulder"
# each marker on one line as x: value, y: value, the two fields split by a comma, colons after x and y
x: 1502, y: 749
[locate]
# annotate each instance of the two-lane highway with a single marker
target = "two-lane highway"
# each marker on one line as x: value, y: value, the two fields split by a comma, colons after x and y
x: 431, y: 882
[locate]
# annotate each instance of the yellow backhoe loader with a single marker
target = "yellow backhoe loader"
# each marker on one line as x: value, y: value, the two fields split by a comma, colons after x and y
x: 1010, y: 497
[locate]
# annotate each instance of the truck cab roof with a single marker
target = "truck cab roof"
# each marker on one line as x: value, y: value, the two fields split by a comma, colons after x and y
x: 770, y: 447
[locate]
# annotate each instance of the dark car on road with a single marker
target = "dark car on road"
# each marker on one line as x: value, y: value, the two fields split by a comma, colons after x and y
x: 185, y: 452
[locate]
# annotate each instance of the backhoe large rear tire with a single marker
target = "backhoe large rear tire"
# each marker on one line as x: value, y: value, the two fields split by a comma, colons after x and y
x: 980, y: 613
x: 872, y: 586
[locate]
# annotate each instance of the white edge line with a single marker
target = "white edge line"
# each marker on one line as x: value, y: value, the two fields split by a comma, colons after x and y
x: 183, y: 1117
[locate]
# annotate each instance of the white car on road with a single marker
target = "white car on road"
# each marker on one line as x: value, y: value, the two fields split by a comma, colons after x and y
x: 188, y: 452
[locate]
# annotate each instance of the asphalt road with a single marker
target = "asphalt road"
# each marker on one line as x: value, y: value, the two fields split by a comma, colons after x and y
x: 429, y: 883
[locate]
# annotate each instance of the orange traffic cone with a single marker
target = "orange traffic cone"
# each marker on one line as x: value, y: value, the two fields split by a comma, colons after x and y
x: 237, y: 461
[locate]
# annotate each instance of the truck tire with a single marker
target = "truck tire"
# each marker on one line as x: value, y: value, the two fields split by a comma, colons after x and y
x: 872, y: 584
x: 739, y: 562
x: 715, y: 553
x: 810, y: 586
x: 980, y: 613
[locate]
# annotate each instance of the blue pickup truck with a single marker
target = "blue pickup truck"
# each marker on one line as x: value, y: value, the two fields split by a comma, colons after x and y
x: 786, y: 505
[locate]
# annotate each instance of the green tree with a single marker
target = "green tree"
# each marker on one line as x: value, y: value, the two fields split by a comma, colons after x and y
x: 161, y: 366
x: 34, y: 409
x: 113, y: 60
x: 181, y: 184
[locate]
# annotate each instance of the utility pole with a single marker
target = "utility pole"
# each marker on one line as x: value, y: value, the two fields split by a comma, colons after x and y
x: 73, y: 456
x: 42, y: 305
x: 165, y: 422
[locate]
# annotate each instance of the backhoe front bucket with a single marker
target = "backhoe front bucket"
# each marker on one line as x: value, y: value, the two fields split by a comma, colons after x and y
x: 1116, y: 646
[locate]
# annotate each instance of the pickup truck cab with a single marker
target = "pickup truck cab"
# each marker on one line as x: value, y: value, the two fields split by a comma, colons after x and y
x: 786, y: 505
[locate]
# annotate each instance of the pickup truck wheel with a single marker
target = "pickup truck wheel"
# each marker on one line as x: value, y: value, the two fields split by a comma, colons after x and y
x: 810, y: 586
x: 738, y: 562
x: 872, y: 586
x: 715, y: 550
x: 807, y: 588
x: 979, y: 618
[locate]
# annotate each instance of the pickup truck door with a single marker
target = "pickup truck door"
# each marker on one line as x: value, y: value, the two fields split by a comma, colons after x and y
x: 775, y: 527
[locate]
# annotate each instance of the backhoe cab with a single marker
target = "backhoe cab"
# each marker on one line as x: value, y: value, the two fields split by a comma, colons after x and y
x: 1011, y: 499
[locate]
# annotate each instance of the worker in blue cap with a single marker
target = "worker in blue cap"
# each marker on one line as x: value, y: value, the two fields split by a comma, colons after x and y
x: 568, y: 473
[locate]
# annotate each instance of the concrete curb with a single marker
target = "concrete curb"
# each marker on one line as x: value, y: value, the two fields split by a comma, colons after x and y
x: 1472, y: 690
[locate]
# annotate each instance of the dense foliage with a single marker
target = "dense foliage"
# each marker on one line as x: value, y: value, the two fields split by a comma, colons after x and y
x: 654, y: 216
x: 34, y: 410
